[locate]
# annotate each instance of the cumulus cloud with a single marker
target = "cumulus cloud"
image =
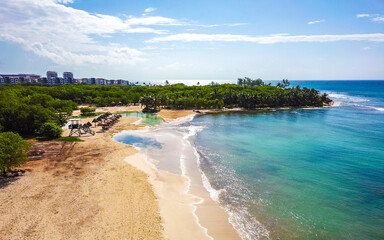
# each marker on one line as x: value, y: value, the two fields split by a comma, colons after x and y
x: 317, y: 21
x: 278, y: 38
x: 67, y: 35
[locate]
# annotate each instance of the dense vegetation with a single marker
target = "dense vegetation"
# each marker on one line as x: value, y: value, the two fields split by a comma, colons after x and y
x: 50, y: 130
x: 25, y: 108
x: 13, y: 151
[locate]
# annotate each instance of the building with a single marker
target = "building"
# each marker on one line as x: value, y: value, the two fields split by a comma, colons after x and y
x: 100, y: 81
x: 122, y: 82
x: 68, y: 76
x: 63, y: 81
x: 15, y: 78
x: 51, y: 74
x: 53, y: 79
x: 43, y: 80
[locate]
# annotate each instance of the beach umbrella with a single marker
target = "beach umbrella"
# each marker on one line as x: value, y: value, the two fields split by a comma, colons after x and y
x: 95, y: 121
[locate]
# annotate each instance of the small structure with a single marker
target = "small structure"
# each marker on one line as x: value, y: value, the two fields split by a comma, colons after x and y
x: 77, y: 128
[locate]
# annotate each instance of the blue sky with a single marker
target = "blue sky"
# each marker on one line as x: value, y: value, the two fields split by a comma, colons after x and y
x: 196, y: 40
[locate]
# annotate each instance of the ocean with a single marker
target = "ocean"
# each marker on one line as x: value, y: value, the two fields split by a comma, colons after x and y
x: 288, y: 174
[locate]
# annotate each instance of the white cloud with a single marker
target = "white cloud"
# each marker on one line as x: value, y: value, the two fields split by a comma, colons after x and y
x: 219, y: 25
x: 68, y: 36
x: 279, y: 38
x: 64, y: 1
x: 378, y: 19
x: 236, y: 24
x: 148, y: 10
x: 367, y: 48
x: 317, y: 21
x: 152, y: 21
x: 363, y: 15
x: 373, y: 17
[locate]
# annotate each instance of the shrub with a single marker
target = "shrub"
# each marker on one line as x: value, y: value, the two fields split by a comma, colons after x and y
x: 86, y: 111
x: 13, y: 151
x: 50, y: 130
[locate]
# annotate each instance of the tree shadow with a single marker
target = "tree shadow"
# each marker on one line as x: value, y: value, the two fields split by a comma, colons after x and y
x: 10, y: 177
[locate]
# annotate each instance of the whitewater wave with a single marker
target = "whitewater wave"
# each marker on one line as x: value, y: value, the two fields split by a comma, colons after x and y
x: 239, y: 214
x: 370, y: 107
x: 342, y: 99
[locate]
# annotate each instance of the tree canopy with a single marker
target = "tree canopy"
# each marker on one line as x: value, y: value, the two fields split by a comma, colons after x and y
x: 13, y: 151
x: 24, y: 108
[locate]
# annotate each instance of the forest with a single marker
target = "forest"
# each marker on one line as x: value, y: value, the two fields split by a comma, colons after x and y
x: 24, y: 108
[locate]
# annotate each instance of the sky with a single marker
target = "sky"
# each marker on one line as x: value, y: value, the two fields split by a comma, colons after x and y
x: 150, y: 40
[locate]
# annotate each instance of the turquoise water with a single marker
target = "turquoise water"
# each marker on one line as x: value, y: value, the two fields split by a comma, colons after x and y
x: 148, y: 118
x: 304, y: 173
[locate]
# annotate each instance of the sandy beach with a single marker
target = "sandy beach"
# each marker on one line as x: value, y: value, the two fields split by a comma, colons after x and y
x: 103, y: 189
x: 81, y: 190
x: 114, y: 109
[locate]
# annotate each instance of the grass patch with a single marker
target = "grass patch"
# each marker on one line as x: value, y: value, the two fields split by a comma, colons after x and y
x: 69, y: 139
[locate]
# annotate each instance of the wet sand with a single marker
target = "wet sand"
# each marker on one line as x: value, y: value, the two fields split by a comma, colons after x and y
x: 187, y: 210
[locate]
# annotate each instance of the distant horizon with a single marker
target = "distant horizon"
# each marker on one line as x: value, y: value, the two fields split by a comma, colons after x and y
x: 210, y: 80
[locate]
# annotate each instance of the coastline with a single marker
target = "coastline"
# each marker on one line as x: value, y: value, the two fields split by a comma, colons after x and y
x: 101, y: 188
x: 186, y: 207
x: 102, y: 183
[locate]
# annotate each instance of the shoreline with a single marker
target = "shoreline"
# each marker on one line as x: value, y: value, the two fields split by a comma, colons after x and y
x: 186, y: 207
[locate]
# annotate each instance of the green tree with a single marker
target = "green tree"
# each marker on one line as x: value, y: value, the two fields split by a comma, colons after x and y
x: 50, y: 130
x: 13, y: 151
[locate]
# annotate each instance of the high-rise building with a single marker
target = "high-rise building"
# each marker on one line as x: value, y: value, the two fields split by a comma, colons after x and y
x: 51, y: 75
x: 68, y: 76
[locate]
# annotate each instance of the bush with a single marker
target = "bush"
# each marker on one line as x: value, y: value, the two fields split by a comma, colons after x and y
x: 13, y: 151
x: 50, y: 130
x: 87, y: 111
